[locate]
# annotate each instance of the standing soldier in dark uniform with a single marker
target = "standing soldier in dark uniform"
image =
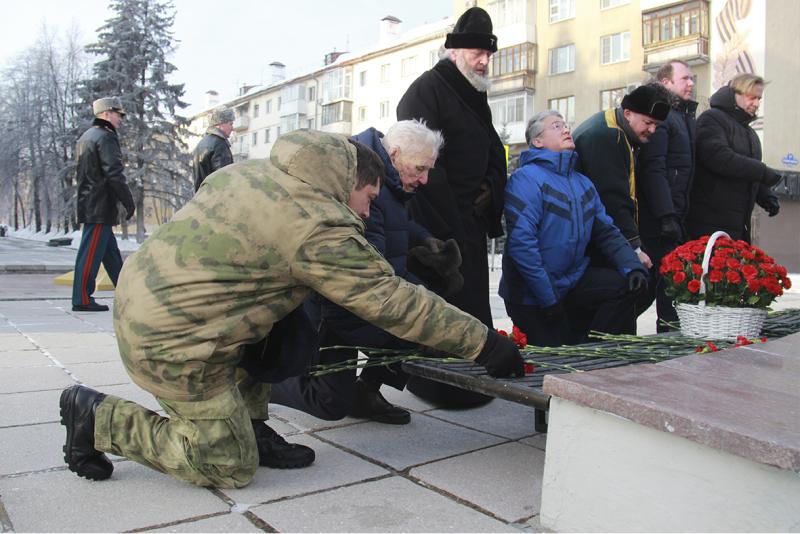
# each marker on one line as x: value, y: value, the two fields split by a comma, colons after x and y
x: 241, y: 255
x: 463, y: 199
x: 101, y: 185
x: 213, y: 151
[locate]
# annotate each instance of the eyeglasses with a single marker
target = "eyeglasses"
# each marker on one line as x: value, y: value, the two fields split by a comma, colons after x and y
x: 558, y: 126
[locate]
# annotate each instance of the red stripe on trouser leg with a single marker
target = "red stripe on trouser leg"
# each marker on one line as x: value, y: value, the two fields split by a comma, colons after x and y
x: 87, y: 268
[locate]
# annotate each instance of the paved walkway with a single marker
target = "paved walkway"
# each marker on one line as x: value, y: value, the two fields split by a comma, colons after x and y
x: 476, y: 470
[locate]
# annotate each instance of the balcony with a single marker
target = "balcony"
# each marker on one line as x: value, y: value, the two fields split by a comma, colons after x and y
x: 693, y: 50
x: 679, y: 31
x: 513, y: 69
x: 298, y: 106
x: 242, y: 122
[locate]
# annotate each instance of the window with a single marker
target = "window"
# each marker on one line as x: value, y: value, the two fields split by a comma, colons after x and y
x: 606, y: 4
x: 566, y: 106
x: 611, y: 98
x: 312, y: 93
x: 362, y: 113
x: 268, y: 107
x: 385, y: 72
x: 513, y: 59
x: 336, y: 84
x: 561, y: 10
x: 267, y: 138
x: 676, y: 22
x: 290, y: 123
x: 312, y: 123
x: 506, y: 12
x: 341, y: 111
x: 509, y: 109
x: 384, y: 109
x: 615, y: 48
x: 291, y: 94
x: 255, y: 110
x: 562, y: 59
x: 408, y: 66
x: 362, y: 78
x: 278, y: 107
x: 254, y: 140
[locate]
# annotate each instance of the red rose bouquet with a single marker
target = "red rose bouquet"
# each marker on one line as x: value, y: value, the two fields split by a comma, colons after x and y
x: 739, y: 275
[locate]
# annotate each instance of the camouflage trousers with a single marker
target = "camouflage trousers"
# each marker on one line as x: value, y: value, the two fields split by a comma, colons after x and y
x: 209, y: 443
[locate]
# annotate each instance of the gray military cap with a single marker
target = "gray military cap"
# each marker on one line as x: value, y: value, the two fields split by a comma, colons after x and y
x: 109, y: 103
x: 221, y: 115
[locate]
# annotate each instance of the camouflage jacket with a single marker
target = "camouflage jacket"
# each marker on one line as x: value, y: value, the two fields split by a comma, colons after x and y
x: 249, y: 247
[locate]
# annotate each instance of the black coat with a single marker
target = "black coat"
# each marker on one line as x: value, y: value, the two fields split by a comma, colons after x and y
x: 666, y: 169
x: 473, y: 154
x: 212, y: 153
x: 730, y: 174
x: 101, y: 182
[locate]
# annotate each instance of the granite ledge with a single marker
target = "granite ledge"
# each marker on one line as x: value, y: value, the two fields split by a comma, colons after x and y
x: 757, y: 419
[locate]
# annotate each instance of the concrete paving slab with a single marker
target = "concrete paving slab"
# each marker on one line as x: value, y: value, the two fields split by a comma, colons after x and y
x: 23, y: 358
x: 22, y: 379
x: 36, y: 447
x: 229, y: 522
x: 132, y: 392
x: 389, y: 505
x: 507, y: 469
x: 29, y: 408
x: 423, y: 440
x: 99, y: 374
x: 92, y: 339
x: 502, y: 418
x: 73, y: 355
x: 303, y: 421
x: 332, y: 468
x: 135, y: 497
x: 406, y: 399
x: 15, y: 341
x: 539, y: 441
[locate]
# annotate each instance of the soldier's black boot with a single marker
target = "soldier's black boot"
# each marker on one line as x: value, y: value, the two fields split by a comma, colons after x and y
x: 370, y: 404
x: 78, y: 405
x: 276, y: 452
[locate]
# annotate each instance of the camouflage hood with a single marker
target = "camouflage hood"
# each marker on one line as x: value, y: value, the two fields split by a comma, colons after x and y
x: 299, y: 154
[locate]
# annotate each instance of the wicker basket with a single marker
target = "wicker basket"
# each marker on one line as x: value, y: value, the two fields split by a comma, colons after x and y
x: 718, y: 322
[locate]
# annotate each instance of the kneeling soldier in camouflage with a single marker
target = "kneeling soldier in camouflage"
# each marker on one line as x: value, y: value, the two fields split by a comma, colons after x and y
x: 253, y: 243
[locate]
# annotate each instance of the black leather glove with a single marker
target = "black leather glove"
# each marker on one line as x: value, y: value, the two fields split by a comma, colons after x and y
x: 129, y: 211
x: 554, y: 314
x: 772, y: 206
x: 671, y: 229
x: 637, y: 282
x: 500, y: 356
x: 771, y: 177
x: 444, y: 257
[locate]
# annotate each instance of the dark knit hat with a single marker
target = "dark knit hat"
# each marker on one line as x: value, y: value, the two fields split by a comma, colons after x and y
x: 473, y: 30
x: 647, y: 100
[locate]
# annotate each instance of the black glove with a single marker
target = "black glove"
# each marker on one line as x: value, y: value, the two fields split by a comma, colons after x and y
x: 500, y: 356
x: 771, y: 177
x: 482, y: 201
x: 554, y: 314
x: 637, y: 282
x: 129, y: 211
x: 771, y: 205
x: 671, y: 229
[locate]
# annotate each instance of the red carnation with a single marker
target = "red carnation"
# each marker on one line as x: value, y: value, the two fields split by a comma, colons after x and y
x: 693, y: 286
x: 715, y: 276
x: 749, y: 271
x: 679, y: 277
x: 733, y: 263
x: 733, y: 277
x: 697, y: 269
x: 502, y: 332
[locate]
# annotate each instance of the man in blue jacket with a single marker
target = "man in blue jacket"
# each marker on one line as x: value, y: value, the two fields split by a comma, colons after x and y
x: 552, y: 213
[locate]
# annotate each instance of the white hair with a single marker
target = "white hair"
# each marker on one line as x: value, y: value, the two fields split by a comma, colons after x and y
x: 413, y: 137
x: 535, y: 125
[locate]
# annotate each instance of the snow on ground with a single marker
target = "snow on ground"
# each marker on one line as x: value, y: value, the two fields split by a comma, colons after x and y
x: 129, y: 244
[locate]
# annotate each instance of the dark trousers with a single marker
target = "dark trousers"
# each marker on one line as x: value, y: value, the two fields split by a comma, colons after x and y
x: 600, y: 301
x: 657, y: 249
x: 98, y: 244
x: 473, y: 299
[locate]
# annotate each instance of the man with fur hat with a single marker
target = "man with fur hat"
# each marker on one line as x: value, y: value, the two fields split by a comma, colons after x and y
x: 101, y: 186
x: 240, y: 256
x: 463, y: 199
x: 608, y: 144
x: 213, y: 151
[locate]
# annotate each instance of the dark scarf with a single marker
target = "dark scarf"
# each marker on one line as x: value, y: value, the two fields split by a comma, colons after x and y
x: 472, y: 97
x: 102, y: 123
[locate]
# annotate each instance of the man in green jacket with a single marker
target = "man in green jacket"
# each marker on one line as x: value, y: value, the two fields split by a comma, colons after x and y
x: 249, y: 248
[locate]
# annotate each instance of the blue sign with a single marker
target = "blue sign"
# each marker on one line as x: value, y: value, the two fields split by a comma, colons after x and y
x: 790, y: 160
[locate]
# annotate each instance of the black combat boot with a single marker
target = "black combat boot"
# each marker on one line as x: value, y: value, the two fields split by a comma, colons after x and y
x: 78, y: 405
x: 370, y: 404
x: 276, y: 452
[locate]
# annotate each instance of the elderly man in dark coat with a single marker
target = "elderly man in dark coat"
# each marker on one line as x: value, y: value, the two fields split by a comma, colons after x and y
x: 464, y: 197
x: 731, y: 178
x: 213, y: 151
x: 667, y: 164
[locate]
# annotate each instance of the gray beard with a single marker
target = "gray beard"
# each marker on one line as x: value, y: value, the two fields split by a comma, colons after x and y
x: 480, y: 83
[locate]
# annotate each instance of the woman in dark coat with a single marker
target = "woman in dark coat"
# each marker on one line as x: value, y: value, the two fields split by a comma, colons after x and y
x: 731, y: 177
